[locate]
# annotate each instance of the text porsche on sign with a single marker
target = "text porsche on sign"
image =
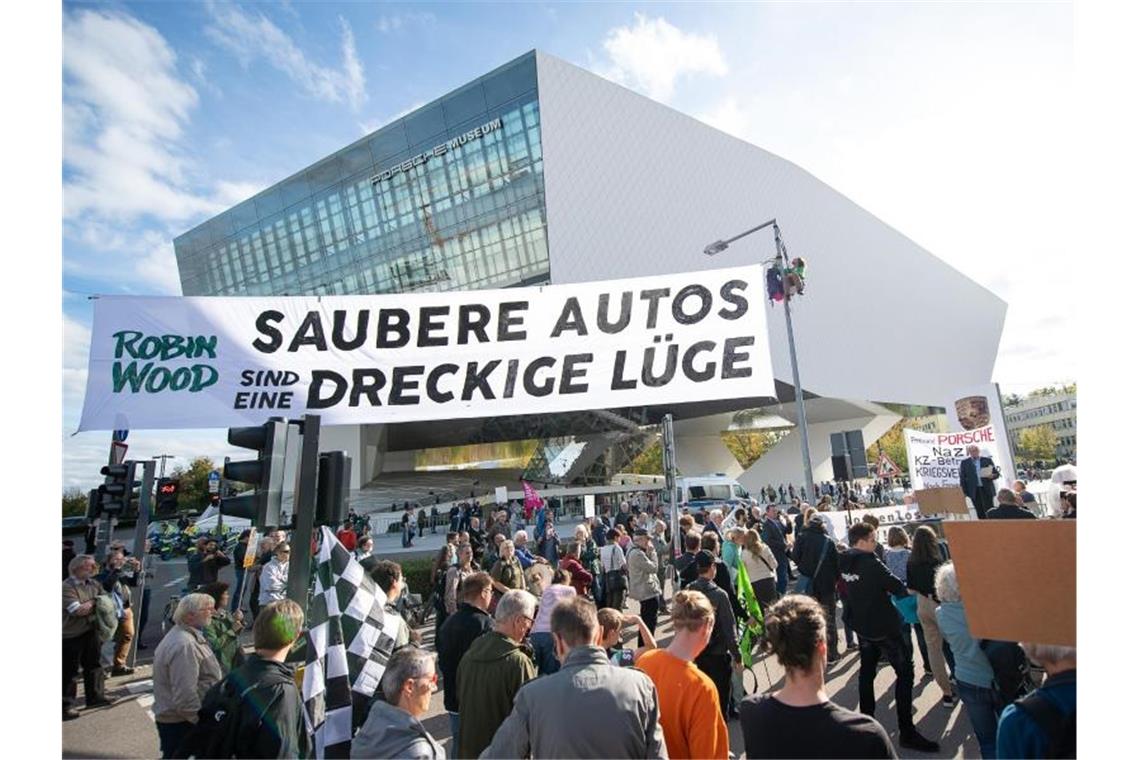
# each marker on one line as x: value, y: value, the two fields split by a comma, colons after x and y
x: 216, y: 362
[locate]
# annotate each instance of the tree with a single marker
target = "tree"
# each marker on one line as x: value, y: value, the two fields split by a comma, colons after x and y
x: 1013, y: 400
x: 648, y: 462
x: 749, y: 445
x: 894, y: 446
x: 74, y: 502
x: 1036, y: 443
x: 193, y: 485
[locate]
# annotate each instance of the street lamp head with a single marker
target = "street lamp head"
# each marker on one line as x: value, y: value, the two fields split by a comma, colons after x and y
x: 712, y: 249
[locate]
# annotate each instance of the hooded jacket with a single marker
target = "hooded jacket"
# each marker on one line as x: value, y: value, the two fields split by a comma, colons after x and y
x: 490, y: 674
x: 391, y: 732
x: 870, y: 586
x: 272, y: 723
x: 455, y: 637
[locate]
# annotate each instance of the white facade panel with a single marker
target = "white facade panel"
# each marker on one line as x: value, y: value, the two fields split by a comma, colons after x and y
x: 633, y: 186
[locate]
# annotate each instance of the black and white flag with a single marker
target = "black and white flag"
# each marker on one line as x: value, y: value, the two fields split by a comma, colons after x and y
x: 350, y: 639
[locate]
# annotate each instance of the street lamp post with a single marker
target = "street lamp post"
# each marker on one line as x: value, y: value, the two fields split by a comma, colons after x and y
x: 713, y: 249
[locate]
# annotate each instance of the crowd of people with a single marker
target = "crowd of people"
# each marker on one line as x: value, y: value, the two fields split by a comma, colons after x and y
x: 531, y: 632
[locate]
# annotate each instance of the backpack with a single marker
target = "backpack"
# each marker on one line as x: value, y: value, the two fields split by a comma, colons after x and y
x: 106, y: 621
x: 1060, y: 730
x: 218, y: 728
x: 1011, y: 669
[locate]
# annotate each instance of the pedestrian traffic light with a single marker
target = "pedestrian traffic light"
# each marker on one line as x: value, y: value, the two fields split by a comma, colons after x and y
x: 266, y: 473
x: 334, y: 479
x: 118, y: 494
x: 166, y: 501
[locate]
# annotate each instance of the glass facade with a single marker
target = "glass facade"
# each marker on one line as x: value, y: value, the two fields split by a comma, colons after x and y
x: 450, y: 197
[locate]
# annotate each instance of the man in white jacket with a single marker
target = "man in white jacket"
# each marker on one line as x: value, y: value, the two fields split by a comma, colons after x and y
x: 275, y: 576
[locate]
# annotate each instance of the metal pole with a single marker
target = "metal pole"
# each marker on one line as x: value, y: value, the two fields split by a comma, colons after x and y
x: 801, y: 414
x: 669, y: 462
x: 162, y: 468
x: 141, y: 555
x: 304, y: 512
x: 221, y: 490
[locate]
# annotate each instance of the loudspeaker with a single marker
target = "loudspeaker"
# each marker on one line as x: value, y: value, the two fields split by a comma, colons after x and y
x: 841, y: 467
x: 838, y: 444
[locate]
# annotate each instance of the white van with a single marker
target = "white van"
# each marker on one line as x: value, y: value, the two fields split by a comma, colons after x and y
x: 710, y: 490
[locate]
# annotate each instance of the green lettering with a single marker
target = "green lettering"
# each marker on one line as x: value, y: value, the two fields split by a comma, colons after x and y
x: 121, y: 377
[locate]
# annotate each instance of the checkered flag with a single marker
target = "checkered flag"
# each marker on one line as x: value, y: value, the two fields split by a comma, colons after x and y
x: 350, y: 639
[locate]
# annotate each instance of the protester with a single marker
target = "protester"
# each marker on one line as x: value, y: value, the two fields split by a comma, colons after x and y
x: 540, y: 637
x: 1044, y: 723
x: 689, y: 705
x: 221, y: 633
x: 1024, y: 496
x: 118, y: 577
x: 760, y: 564
x: 870, y: 586
x: 239, y: 569
x: 275, y: 576
x: 616, y: 576
x: 580, y: 578
x: 213, y: 560
x: 507, y: 573
x: 976, y: 482
x: 973, y: 674
x: 389, y: 576
x: 455, y: 576
x: 363, y: 551
x: 478, y: 539
x: 421, y: 521
x: 644, y: 587
x: 925, y: 557
x: 1008, y: 508
x: 393, y: 728
x: 711, y: 544
x: 664, y: 553
x: 80, y: 640
x: 611, y: 623
x: 184, y: 669
x: 817, y: 557
x: 522, y: 552
x: 775, y: 534
x: 469, y: 622
x: 895, y: 557
x: 491, y: 672
x: 730, y: 550
x: 588, y: 709
x: 548, y: 545
x: 686, y: 569
x: 799, y: 720
x: 722, y: 652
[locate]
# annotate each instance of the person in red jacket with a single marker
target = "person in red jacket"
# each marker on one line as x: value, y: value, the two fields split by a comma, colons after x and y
x: 347, y: 536
x: 580, y: 578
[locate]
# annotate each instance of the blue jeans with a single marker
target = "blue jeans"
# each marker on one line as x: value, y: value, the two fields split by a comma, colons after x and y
x: 782, y: 574
x: 453, y: 748
x: 983, y: 708
x: 171, y: 736
x: 235, y: 594
x: 543, y: 644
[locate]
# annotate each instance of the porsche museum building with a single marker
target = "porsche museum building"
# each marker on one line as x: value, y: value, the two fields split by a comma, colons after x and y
x: 542, y: 172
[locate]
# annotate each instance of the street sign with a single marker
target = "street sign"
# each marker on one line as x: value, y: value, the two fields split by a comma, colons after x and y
x: 214, y: 481
x: 119, y: 436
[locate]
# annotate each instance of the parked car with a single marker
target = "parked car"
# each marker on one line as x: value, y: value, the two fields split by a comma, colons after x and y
x: 74, y: 525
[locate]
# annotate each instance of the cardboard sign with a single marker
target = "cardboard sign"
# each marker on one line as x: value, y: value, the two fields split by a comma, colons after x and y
x: 588, y: 505
x: 500, y: 494
x: 251, y: 549
x: 941, y: 501
x: 1018, y: 578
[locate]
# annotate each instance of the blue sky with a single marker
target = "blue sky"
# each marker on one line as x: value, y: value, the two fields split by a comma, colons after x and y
x: 951, y: 122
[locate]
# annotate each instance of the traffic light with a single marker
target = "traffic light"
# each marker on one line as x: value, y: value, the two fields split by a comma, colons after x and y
x: 94, y: 504
x: 166, y: 501
x: 266, y: 473
x: 334, y: 479
x: 118, y: 494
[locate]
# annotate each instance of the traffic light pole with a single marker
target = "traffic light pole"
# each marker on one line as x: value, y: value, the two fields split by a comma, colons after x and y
x: 140, y: 552
x: 304, y: 512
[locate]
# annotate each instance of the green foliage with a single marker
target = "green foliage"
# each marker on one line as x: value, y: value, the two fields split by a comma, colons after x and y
x: 74, y: 503
x: 749, y: 445
x: 893, y: 443
x: 417, y: 574
x: 648, y: 462
x: 1035, y: 443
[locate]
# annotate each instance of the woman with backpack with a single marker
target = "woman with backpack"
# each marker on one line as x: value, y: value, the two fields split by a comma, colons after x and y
x: 895, y: 557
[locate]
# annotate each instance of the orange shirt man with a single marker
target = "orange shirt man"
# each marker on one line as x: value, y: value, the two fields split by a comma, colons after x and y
x: 689, y: 706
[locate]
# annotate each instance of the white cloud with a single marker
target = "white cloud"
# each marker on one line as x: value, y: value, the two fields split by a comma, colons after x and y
x: 250, y: 36
x: 124, y: 111
x: 394, y: 22
x: 652, y: 54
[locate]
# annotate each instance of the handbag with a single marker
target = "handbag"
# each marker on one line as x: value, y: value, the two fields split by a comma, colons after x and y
x: 907, y: 607
x: 616, y: 580
x: 804, y: 582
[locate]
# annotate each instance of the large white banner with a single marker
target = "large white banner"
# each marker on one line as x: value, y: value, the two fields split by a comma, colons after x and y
x: 836, y: 522
x: 934, y: 458
x: 979, y: 407
x: 221, y: 362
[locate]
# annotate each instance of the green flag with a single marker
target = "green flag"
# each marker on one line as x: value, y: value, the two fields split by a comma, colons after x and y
x: 747, y: 598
